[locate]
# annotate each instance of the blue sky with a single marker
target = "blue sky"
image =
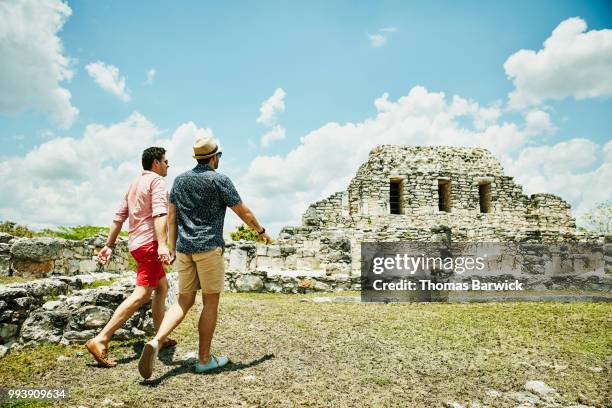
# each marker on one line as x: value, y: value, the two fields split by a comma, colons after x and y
x: 217, y: 62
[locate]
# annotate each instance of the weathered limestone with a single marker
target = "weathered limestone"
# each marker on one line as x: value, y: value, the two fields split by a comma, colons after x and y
x: 41, y: 257
x: 417, y: 194
x: 61, y: 310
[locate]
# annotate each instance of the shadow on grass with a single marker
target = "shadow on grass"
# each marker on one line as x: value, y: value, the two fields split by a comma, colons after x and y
x: 166, y: 356
x: 186, y: 366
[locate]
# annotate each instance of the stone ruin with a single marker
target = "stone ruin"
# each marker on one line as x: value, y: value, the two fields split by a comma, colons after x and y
x: 45, y: 256
x: 400, y: 194
x: 69, y: 297
x: 405, y: 194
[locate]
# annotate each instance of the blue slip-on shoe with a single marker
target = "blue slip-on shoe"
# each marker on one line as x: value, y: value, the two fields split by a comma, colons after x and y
x: 213, y: 363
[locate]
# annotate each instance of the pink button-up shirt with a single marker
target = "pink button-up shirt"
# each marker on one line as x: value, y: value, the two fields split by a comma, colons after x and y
x: 146, y: 198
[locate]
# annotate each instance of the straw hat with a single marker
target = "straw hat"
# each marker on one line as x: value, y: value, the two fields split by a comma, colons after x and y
x: 205, y: 147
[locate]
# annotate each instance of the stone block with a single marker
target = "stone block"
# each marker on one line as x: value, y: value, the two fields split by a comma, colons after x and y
x: 95, y: 316
x: 274, y: 251
x: 262, y: 250
x: 31, y: 269
x: 273, y: 287
x: 44, y: 326
x: 87, y: 266
x: 291, y: 262
x: 37, y: 249
x: 307, y: 263
x: 268, y: 262
x: 5, y: 265
x: 73, y: 266
x: 238, y: 260
x: 321, y: 286
x: 249, y: 283
x: 78, y: 336
x: 8, y: 332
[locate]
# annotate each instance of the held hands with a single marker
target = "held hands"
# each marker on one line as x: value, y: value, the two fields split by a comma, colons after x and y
x: 165, y: 255
x: 104, y: 255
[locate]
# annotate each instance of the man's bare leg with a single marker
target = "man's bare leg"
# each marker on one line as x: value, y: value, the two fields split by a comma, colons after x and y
x: 158, y: 306
x: 207, y: 324
x: 175, y: 315
x: 126, y: 309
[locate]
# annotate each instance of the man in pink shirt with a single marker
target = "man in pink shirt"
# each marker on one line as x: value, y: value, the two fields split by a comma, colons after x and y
x: 146, y: 206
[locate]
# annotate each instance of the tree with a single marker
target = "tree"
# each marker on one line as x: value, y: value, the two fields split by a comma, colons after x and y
x: 599, y: 219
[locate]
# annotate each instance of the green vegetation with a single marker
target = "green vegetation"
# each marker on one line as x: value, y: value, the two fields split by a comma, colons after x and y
x: 76, y: 233
x: 5, y: 280
x: 244, y: 232
x: 99, y: 283
x: 16, y: 230
x: 286, y: 352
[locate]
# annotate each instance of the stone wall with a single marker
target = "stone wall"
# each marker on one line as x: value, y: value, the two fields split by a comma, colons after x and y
x: 42, y: 257
x: 333, y: 228
x: 64, y: 310
x: 252, y: 267
x: 419, y: 170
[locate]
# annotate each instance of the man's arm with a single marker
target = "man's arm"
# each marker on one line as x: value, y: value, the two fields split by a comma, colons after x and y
x: 249, y: 219
x: 161, y: 225
x: 172, y: 231
x: 106, y: 252
x: 120, y: 216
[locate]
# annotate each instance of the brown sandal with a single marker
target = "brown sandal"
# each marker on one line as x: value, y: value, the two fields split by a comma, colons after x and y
x: 101, y: 356
x: 168, y: 343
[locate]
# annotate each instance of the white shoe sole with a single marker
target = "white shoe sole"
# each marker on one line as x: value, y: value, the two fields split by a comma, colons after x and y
x: 147, y: 361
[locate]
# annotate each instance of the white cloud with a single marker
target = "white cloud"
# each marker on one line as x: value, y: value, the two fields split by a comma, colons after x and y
x: 574, y: 62
x: 68, y: 181
x: 380, y: 38
x: 569, y: 169
x: 150, y: 76
x: 277, y: 133
x: 538, y: 122
x: 33, y: 64
x: 377, y: 40
x: 107, y: 76
x: 279, y: 188
x: 271, y: 107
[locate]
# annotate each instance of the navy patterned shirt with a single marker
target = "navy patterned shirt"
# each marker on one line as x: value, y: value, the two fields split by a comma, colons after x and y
x: 201, y: 196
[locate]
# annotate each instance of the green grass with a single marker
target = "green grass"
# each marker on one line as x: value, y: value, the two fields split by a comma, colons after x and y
x: 350, y: 354
x: 99, y: 283
x: 5, y: 280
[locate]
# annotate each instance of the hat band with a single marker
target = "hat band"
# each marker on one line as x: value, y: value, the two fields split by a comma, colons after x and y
x: 207, y: 155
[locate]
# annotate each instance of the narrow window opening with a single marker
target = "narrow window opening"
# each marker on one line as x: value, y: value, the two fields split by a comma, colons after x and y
x: 396, y: 204
x: 444, y: 195
x: 484, y: 194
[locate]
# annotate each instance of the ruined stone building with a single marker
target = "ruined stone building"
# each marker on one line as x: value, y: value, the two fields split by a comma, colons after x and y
x: 407, y: 193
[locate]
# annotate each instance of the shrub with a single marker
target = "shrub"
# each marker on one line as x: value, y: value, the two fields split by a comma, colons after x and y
x: 243, y: 232
x: 16, y: 230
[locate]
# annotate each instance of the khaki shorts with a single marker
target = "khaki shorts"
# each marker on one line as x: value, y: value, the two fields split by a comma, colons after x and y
x: 205, y: 270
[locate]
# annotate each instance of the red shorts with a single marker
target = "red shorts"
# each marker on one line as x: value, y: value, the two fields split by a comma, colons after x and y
x: 150, y: 268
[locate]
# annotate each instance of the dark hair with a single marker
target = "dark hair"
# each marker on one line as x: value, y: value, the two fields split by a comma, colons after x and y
x: 151, y: 154
x: 205, y: 161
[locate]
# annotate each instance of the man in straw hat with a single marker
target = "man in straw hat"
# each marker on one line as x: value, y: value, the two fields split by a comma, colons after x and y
x: 146, y: 206
x: 198, y: 200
